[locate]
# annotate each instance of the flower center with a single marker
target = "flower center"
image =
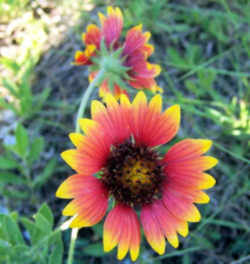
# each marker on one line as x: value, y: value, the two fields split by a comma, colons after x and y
x: 133, y: 174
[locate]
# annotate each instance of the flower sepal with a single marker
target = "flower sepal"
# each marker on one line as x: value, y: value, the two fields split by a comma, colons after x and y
x: 111, y: 61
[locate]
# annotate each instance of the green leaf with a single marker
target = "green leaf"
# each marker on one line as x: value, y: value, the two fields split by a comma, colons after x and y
x: 3, y: 231
x: 40, y: 99
x: 9, y: 63
x: 19, y: 253
x: 95, y: 250
x: 26, y: 107
x: 8, y: 105
x: 22, y: 140
x: 47, y: 213
x: 11, y: 86
x: 34, y: 230
x: 7, y: 177
x: 43, y: 223
x: 14, y: 233
x: 4, y: 246
x: 175, y: 56
x: 56, y: 256
x: 15, y: 194
x: 7, y: 164
x: 25, y: 85
x: 36, y: 148
x: 14, y: 215
x: 42, y: 178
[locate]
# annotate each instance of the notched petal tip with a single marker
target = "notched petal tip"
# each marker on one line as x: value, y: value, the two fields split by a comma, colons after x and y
x: 69, y: 156
x: 124, y: 100
x: 121, y: 254
x: 182, y: 229
x: 76, y: 138
x: 176, y: 110
x: 63, y: 190
x: 60, y: 192
x: 110, y: 100
x: 173, y: 240
x: 102, y: 18
x: 206, y: 144
x: 156, y: 103
x: 207, y: 182
x: 87, y: 125
x: 138, y: 27
x: 107, y: 244
x: 211, y: 162
x: 202, y: 198
x: 160, y: 249
x: 96, y: 108
x: 173, y: 114
x: 194, y: 216
x: 134, y: 254
x: 140, y: 98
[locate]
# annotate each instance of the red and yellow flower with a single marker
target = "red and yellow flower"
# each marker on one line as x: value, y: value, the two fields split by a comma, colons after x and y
x: 134, y: 56
x: 117, y: 158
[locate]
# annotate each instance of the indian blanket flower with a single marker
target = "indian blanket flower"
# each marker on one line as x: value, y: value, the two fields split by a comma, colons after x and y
x: 132, y: 60
x: 118, y: 159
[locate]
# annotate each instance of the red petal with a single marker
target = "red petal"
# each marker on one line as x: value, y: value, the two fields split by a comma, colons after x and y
x: 122, y: 228
x: 79, y: 185
x: 180, y: 205
x: 167, y: 222
x: 142, y: 83
x: 113, y: 119
x: 198, y: 164
x: 92, y: 36
x: 152, y: 229
x: 135, y: 40
x: 149, y: 126
x: 190, y: 179
x: 90, y: 200
x: 83, y: 57
x: 140, y: 68
x: 147, y: 49
x: 187, y: 149
x: 111, y: 25
x: 91, y: 214
x: 92, y: 150
x: 192, y: 194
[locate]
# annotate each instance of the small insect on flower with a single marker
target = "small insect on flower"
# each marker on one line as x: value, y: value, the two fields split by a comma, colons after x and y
x: 128, y: 59
x: 117, y: 159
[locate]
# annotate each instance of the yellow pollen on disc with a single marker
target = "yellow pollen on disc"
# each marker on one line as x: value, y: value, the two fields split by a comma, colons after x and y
x: 136, y: 172
x: 133, y: 174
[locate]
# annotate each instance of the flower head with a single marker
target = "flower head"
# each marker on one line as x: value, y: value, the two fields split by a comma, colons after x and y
x: 117, y: 158
x: 135, y: 50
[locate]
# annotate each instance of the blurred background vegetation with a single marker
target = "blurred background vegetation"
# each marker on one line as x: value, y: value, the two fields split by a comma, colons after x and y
x: 203, y: 47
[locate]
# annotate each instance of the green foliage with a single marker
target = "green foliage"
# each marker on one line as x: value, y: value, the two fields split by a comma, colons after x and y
x: 26, y: 104
x: 17, y: 163
x: 37, y: 243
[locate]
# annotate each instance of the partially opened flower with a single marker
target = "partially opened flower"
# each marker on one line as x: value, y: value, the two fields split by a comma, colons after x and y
x: 118, y: 159
x: 131, y: 60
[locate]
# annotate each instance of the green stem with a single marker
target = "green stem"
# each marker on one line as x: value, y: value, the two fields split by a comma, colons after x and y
x: 72, y: 245
x: 98, y: 79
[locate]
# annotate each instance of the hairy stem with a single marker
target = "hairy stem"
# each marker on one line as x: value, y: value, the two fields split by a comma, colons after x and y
x: 98, y: 79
